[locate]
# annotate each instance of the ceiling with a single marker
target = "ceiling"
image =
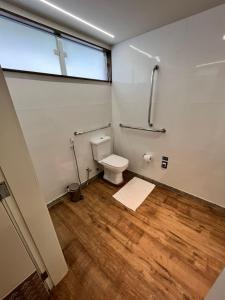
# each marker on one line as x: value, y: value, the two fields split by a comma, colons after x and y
x: 123, y: 18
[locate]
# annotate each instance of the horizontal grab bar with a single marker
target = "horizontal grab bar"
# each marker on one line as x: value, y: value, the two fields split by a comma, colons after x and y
x: 163, y: 130
x: 83, y: 132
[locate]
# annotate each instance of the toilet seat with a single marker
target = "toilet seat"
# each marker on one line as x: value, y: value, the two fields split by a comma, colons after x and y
x: 115, y: 161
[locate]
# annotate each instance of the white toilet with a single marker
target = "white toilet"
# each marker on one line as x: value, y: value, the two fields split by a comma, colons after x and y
x: 114, y: 165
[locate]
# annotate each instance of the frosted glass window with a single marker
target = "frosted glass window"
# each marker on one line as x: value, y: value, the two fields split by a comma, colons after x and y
x: 25, y: 48
x: 84, y: 61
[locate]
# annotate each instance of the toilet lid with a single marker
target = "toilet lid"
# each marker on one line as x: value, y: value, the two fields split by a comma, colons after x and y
x: 115, y: 161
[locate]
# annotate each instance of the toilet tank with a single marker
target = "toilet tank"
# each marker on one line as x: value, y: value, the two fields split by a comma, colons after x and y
x: 101, y: 147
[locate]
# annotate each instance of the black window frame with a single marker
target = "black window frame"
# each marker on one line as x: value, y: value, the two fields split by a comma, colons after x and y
x: 57, y: 33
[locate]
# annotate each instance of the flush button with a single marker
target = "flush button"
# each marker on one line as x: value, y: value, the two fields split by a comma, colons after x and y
x: 164, y: 164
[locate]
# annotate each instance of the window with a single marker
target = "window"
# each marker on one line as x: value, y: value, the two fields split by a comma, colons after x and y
x: 26, y: 46
x: 84, y: 61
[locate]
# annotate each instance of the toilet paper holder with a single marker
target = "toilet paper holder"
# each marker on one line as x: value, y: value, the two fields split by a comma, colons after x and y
x: 147, y: 156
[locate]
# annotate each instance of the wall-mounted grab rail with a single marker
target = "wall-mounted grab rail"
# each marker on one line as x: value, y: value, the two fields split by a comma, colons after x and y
x: 83, y: 132
x: 163, y: 130
x: 150, y: 123
x: 156, y: 68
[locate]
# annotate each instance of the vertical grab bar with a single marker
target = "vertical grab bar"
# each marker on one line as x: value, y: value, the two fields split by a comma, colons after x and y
x: 156, y: 68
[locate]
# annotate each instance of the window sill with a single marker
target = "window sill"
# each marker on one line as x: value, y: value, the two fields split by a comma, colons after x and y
x: 54, y: 75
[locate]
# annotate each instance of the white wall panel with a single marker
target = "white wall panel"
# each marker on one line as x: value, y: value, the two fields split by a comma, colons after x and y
x: 49, y: 111
x: 189, y: 103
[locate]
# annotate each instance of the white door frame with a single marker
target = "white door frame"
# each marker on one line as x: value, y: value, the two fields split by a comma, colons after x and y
x: 19, y: 224
x: 18, y: 170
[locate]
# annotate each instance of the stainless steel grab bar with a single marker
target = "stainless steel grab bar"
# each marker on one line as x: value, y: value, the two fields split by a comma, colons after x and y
x: 83, y: 132
x: 156, y: 68
x: 150, y: 123
x: 163, y: 130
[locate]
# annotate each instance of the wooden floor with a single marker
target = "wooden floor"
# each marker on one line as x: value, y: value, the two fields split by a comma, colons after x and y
x: 172, y: 247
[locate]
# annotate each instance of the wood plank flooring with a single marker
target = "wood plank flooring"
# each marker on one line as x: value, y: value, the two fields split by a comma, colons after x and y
x: 172, y: 247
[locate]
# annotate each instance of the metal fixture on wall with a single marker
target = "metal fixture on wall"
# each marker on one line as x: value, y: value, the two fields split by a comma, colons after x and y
x: 163, y: 130
x: 73, y: 186
x: 150, y: 123
x: 75, y: 158
x: 156, y: 68
x: 83, y: 132
x: 88, y: 175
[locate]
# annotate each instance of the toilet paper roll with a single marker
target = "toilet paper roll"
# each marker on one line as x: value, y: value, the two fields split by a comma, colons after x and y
x: 147, y: 157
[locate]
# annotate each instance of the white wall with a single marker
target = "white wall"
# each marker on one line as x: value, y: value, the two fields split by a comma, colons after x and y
x: 50, y: 110
x: 190, y: 104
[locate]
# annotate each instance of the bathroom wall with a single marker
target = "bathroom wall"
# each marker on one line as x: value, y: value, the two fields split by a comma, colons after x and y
x: 49, y: 111
x: 189, y: 103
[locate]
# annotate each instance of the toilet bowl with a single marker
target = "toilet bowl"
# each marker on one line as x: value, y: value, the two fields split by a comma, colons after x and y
x: 113, y: 165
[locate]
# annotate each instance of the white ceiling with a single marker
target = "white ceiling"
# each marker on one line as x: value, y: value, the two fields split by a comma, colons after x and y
x: 123, y: 18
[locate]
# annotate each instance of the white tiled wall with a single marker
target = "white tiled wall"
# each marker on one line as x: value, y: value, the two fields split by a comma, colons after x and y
x: 50, y: 110
x: 189, y: 103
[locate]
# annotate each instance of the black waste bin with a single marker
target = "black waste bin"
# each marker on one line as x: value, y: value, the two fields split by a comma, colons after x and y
x: 74, y: 191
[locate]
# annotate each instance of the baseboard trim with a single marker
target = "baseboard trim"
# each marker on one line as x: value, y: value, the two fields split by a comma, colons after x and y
x: 62, y: 197
x: 175, y: 190
x: 56, y: 201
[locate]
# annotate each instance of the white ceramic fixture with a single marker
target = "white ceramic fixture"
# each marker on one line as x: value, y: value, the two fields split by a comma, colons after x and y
x: 114, y: 165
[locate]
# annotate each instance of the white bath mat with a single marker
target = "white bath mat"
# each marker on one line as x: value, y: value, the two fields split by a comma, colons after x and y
x: 134, y: 193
